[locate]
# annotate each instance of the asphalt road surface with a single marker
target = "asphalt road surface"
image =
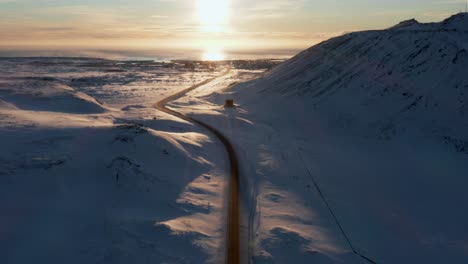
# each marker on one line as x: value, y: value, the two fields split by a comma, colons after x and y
x: 233, y: 241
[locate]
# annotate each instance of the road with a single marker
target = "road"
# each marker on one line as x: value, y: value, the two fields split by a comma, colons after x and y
x: 233, y: 225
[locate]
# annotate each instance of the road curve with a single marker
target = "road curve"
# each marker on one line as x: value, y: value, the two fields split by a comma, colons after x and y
x: 233, y: 225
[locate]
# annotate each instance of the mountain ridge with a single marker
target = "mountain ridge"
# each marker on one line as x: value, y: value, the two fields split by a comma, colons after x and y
x: 386, y: 81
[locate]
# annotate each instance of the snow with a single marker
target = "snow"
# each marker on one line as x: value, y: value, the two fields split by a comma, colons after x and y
x: 354, y: 150
x: 43, y: 95
x: 284, y: 217
x: 82, y: 181
x: 377, y: 120
x: 458, y: 22
x: 411, y: 23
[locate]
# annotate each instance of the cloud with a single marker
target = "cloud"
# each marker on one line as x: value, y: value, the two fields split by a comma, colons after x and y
x: 277, y: 5
x: 165, y: 22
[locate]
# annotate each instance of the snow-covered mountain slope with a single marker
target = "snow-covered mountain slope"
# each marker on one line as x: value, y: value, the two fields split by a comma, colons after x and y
x: 387, y: 80
x: 458, y: 22
x: 372, y: 125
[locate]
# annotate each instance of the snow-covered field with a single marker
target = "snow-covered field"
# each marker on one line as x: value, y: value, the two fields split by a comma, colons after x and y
x: 90, y: 172
x: 358, y: 143
x: 354, y: 151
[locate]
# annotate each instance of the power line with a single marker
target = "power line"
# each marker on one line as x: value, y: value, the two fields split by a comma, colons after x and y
x: 335, y: 217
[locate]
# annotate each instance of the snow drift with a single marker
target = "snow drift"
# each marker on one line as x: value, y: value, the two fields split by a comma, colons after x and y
x: 47, y: 94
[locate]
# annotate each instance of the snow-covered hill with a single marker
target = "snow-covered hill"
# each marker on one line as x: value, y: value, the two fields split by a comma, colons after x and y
x: 372, y: 125
x: 46, y: 94
x: 385, y: 81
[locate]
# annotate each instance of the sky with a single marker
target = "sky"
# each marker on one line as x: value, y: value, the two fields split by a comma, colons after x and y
x: 215, y: 25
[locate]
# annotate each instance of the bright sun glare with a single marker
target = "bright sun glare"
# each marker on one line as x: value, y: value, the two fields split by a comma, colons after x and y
x: 213, y: 55
x: 213, y: 16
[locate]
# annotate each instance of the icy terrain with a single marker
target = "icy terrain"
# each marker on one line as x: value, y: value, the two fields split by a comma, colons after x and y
x: 359, y: 143
x: 354, y: 151
x: 90, y: 172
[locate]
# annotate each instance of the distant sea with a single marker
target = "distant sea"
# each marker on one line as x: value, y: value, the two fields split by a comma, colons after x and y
x: 156, y: 55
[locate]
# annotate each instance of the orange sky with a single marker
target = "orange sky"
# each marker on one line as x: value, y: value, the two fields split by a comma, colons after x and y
x: 200, y: 24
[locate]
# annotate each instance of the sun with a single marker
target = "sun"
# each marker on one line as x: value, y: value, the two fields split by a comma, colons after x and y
x: 213, y: 14
x: 213, y: 55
